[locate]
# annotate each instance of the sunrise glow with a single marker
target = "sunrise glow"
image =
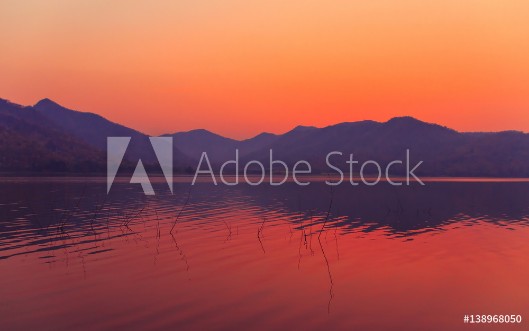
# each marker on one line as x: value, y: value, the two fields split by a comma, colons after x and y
x: 271, y: 65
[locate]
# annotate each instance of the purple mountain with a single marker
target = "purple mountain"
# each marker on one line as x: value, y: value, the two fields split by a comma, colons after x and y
x: 51, y: 137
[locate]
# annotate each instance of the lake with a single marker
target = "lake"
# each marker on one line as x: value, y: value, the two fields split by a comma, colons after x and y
x: 261, y: 258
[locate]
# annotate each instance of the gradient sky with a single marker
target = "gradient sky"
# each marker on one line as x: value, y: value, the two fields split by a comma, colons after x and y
x: 240, y: 67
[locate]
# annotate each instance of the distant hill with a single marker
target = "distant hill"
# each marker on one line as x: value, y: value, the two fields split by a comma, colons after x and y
x: 218, y: 148
x: 91, y: 128
x: 94, y: 130
x: 30, y: 142
x: 50, y: 137
x: 445, y: 152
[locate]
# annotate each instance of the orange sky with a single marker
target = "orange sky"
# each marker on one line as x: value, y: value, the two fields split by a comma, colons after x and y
x: 239, y: 67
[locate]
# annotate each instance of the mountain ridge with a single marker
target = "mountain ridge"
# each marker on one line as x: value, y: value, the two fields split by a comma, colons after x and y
x: 446, y: 152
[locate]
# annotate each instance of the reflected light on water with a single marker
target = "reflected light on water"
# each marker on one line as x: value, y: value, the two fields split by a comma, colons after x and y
x: 261, y: 258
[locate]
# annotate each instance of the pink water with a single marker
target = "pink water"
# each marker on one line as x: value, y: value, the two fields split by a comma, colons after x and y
x: 247, y: 258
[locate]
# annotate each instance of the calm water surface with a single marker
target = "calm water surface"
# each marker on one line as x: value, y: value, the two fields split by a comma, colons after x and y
x: 261, y: 258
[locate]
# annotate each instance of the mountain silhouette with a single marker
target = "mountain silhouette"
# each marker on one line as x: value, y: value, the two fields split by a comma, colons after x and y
x: 94, y: 129
x: 219, y: 149
x: 50, y: 137
x: 30, y: 142
x: 445, y: 152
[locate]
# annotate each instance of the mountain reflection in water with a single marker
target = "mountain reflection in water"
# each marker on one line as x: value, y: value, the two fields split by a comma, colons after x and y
x: 261, y: 258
